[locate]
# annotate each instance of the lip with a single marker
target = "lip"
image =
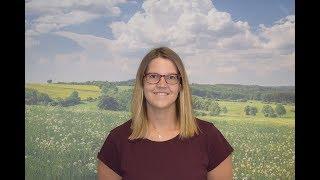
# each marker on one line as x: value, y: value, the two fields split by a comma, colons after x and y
x: 161, y: 93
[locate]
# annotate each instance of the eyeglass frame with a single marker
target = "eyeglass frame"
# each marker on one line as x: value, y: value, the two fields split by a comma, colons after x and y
x: 164, y: 76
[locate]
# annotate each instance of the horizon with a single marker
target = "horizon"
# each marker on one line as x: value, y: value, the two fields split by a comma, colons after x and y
x: 190, y: 83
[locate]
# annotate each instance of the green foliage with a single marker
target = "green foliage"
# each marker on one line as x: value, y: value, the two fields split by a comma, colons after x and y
x: 109, y: 103
x: 109, y: 89
x: 49, y: 81
x: 214, y: 109
x: 250, y: 110
x: 268, y: 111
x: 122, y: 96
x: 90, y: 99
x: 206, y: 104
x: 32, y: 96
x: 72, y: 100
x: 253, y: 111
x: 242, y: 93
x: 124, y: 99
x: 280, y: 97
x: 247, y: 110
x: 199, y: 113
x: 280, y: 110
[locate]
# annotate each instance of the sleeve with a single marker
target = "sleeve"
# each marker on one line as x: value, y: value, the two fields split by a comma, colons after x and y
x: 109, y: 154
x: 218, y: 147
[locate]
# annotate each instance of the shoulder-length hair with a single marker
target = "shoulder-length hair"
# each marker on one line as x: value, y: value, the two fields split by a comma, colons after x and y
x: 187, y: 122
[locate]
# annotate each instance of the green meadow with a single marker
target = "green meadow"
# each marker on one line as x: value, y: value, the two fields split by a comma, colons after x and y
x: 64, y: 90
x: 63, y: 142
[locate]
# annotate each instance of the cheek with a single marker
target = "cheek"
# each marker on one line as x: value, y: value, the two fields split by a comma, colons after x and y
x: 147, y: 88
x: 175, y: 89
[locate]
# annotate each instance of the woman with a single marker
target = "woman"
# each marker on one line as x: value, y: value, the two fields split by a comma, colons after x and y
x: 163, y: 140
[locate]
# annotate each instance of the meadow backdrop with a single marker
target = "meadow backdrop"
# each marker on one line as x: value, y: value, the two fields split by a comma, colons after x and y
x: 67, y: 123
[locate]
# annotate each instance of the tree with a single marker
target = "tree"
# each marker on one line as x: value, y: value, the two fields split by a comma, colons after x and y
x: 72, y: 100
x: 109, y: 89
x: 43, y: 98
x: 107, y: 102
x: 268, y: 111
x: 32, y: 96
x: 250, y: 110
x: 247, y: 110
x: 253, y: 111
x: 280, y: 110
x: 214, y: 108
x: 49, y: 81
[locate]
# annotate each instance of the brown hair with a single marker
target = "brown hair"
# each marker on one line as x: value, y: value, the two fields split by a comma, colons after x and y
x: 187, y: 122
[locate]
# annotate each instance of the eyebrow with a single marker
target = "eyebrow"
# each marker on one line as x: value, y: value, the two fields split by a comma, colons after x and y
x: 159, y: 73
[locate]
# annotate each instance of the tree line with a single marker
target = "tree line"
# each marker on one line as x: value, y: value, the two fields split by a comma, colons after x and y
x: 230, y: 92
x: 233, y: 92
x: 112, y: 98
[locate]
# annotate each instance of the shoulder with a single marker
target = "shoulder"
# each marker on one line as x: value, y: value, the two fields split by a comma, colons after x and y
x: 209, y: 130
x: 206, y: 127
x: 122, y: 131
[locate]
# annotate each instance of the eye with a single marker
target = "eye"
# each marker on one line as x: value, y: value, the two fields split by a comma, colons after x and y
x: 173, y: 77
x: 153, y: 76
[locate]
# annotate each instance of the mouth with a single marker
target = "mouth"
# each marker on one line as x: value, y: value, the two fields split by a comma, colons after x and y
x: 161, y: 93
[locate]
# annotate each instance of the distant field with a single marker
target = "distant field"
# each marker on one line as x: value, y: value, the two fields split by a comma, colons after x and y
x: 236, y: 112
x: 125, y: 87
x: 64, y: 90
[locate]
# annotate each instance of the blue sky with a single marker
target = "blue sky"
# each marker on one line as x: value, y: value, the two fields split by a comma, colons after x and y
x: 227, y: 41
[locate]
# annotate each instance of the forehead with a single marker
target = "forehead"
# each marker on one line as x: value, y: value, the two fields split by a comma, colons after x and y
x: 162, y: 66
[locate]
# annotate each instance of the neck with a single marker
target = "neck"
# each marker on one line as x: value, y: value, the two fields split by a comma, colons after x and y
x: 163, y: 119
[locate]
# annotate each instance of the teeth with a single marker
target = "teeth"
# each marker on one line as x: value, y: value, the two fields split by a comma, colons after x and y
x: 161, y: 94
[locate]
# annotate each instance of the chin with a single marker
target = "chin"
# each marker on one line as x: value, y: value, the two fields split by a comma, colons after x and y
x: 162, y: 105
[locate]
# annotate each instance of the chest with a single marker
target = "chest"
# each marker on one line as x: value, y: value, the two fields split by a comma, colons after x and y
x: 175, y: 160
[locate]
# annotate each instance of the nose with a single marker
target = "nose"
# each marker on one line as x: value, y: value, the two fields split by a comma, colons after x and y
x: 162, y: 82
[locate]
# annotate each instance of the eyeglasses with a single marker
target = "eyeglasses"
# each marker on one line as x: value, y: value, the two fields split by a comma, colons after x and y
x: 154, y: 78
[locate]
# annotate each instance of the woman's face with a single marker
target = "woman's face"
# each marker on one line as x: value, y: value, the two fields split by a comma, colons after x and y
x: 161, y: 95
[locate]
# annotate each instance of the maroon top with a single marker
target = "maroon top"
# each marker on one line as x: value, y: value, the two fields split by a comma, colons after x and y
x: 143, y: 159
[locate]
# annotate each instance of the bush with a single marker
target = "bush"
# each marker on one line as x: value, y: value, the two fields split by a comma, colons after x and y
x: 109, y: 89
x: 199, y: 113
x: 54, y: 103
x: 280, y: 110
x: 206, y: 104
x: 72, y: 100
x: 250, y: 110
x: 32, y: 96
x: 214, y: 109
x: 268, y: 111
x: 90, y: 99
x: 107, y: 102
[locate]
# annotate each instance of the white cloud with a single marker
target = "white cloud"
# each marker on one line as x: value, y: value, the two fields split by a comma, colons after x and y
x: 39, y: 7
x: 281, y: 35
x: 55, y: 14
x: 52, y: 22
x: 208, y: 41
x: 177, y: 23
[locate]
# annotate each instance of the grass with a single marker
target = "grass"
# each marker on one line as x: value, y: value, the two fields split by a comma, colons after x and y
x: 64, y: 90
x: 62, y: 143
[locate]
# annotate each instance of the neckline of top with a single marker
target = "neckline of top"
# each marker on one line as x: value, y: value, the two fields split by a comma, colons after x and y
x: 162, y: 142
